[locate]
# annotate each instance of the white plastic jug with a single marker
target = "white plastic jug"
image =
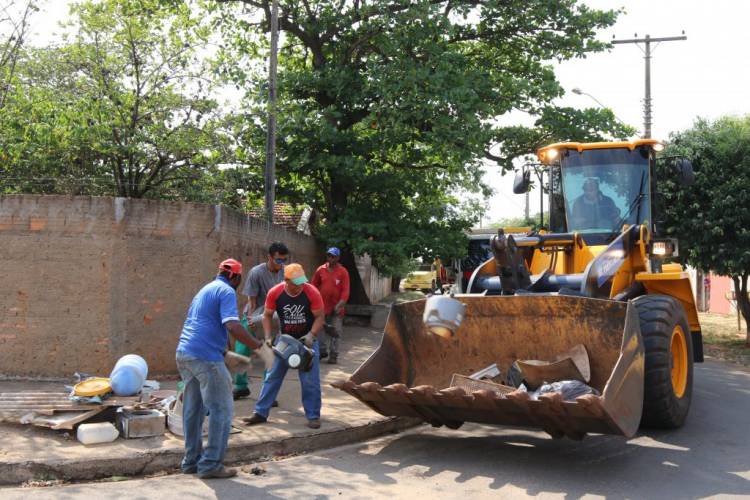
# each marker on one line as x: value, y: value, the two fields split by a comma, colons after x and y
x: 102, y: 432
x: 128, y: 376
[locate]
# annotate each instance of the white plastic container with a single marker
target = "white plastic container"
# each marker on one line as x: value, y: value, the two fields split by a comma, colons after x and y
x: 128, y: 375
x: 174, y: 418
x: 102, y: 432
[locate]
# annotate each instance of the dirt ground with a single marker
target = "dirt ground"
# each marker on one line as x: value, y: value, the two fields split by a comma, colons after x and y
x: 721, y: 339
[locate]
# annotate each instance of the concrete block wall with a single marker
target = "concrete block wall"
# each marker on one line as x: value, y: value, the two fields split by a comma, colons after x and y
x: 86, y: 280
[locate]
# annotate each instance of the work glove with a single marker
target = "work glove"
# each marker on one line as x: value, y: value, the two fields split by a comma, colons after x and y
x: 308, y: 339
x: 265, y: 354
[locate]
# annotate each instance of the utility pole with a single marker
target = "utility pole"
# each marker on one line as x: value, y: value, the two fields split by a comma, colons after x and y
x: 270, y: 173
x: 526, y: 208
x: 647, y: 41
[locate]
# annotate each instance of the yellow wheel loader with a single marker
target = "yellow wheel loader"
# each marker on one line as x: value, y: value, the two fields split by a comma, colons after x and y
x: 597, y: 283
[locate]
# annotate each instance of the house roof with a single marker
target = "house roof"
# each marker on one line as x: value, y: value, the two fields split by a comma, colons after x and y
x: 289, y: 216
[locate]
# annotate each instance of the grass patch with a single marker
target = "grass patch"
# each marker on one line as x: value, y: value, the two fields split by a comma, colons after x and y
x: 722, y: 340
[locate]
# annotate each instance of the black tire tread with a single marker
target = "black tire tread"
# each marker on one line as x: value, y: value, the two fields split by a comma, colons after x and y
x: 658, y: 316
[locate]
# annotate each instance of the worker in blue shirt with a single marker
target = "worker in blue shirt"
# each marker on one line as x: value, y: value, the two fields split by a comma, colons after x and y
x: 208, y: 383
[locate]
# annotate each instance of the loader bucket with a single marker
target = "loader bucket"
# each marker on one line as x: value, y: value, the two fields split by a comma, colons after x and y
x: 410, y: 373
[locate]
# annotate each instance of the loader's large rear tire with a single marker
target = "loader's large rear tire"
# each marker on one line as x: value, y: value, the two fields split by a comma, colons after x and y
x: 669, y: 361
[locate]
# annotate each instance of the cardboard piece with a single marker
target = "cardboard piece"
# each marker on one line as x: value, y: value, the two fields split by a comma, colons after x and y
x: 570, y: 365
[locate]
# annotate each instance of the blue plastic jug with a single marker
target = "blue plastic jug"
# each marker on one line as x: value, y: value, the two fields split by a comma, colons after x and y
x: 128, y: 376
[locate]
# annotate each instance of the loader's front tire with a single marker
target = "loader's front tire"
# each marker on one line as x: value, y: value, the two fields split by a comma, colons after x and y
x: 668, y: 381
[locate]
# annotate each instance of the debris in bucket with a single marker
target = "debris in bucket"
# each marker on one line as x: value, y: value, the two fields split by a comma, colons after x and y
x: 515, y: 377
x: 491, y: 373
x: 470, y: 385
x: 569, y: 389
x: 570, y: 365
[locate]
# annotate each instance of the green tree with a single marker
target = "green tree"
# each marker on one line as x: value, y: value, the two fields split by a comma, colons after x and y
x: 389, y: 108
x: 532, y: 221
x: 15, y: 19
x: 711, y: 218
x: 123, y: 107
x: 556, y: 124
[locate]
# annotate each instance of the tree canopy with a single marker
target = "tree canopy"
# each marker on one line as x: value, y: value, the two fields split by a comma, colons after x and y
x: 123, y: 106
x: 389, y: 109
x: 711, y: 218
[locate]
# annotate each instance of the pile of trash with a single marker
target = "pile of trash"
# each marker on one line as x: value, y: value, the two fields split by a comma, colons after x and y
x: 102, y: 409
x: 568, y: 375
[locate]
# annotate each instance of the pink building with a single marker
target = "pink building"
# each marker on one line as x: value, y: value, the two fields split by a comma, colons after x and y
x: 718, y: 288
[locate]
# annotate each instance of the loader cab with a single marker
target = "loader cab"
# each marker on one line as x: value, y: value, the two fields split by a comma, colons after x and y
x: 595, y: 191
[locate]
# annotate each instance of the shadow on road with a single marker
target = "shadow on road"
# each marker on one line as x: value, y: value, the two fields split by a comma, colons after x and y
x: 708, y: 456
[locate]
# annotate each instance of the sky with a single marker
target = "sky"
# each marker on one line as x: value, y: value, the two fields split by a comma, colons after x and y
x: 708, y: 75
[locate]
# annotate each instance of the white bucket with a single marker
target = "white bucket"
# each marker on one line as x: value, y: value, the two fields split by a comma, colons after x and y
x: 174, y: 418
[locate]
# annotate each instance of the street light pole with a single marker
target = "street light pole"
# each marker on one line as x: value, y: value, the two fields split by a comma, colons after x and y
x: 647, y: 41
x: 578, y: 91
x: 270, y: 173
x: 581, y: 92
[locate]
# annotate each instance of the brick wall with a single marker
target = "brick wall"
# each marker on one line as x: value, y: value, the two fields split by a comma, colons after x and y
x: 86, y: 280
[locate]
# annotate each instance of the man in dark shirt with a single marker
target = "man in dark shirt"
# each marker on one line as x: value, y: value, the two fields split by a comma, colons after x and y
x: 259, y: 281
x: 593, y: 209
x: 300, y: 310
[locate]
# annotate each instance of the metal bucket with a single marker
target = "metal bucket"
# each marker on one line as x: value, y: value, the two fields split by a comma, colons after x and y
x: 410, y: 373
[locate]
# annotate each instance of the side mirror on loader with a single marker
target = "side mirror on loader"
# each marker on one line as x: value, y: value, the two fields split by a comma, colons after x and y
x: 522, y: 181
x: 684, y: 171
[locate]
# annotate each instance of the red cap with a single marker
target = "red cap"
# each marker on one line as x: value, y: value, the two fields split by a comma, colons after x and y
x: 231, y: 265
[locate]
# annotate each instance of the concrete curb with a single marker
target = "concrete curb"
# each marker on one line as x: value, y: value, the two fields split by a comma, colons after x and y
x: 14, y: 473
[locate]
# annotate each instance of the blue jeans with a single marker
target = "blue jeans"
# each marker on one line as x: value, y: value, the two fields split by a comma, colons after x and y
x: 310, y: 381
x: 208, y: 388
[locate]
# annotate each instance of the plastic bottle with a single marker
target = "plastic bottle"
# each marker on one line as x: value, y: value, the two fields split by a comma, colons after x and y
x: 128, y: 375
x: 102, y: 432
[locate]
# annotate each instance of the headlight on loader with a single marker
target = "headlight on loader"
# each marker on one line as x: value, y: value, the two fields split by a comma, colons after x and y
x: 663, y: 249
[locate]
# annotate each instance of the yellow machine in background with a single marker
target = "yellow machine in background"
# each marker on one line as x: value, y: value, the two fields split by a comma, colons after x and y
x: 423, y: 279
x: 595, y: 284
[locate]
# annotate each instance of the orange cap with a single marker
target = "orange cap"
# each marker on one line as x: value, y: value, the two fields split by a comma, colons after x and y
x: 231, y: 265
x: 295, y: 273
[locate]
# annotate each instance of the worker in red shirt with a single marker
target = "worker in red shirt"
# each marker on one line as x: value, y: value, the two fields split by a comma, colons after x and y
x: 332, y: 279
x: 300, y: 311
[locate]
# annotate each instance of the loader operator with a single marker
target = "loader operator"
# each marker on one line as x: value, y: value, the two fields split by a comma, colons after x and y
x: 593, y: 209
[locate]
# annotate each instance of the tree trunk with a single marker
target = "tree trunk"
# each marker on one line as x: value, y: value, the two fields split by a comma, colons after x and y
x: 357, y: 291
x: 743, y: 302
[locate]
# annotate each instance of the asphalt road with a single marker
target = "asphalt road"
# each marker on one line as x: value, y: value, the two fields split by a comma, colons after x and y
x: 709, y: 457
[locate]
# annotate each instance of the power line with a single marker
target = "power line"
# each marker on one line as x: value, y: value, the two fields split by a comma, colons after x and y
x: 647, y: 41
